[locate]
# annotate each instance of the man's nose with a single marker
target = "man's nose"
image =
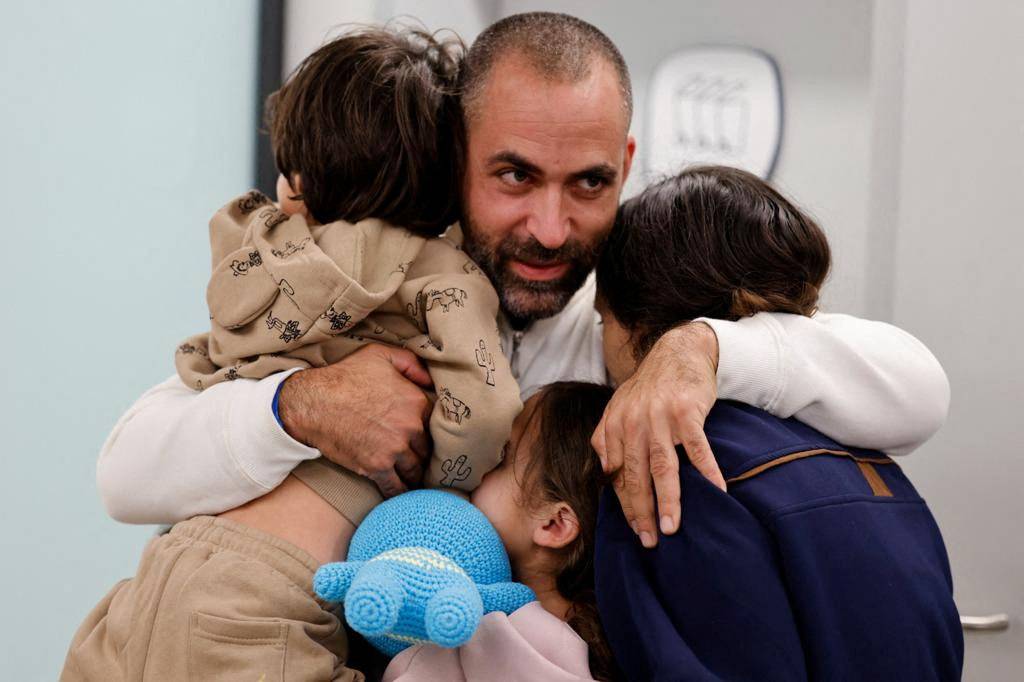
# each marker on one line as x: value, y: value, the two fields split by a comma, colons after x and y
x: 549, y: 223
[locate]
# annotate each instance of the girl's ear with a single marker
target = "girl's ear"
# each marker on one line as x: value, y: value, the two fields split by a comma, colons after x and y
x: 557, y: 527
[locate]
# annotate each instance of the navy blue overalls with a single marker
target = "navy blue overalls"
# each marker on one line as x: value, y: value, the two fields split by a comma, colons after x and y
x: 821, y: 562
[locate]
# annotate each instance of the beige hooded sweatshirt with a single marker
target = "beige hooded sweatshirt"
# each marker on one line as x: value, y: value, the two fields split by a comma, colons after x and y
x: 286, y: 294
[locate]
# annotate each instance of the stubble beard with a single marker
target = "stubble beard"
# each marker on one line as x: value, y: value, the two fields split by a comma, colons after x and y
x: 523, y: 300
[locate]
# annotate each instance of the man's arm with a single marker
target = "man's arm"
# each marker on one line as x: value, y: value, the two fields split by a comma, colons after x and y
x: 177, y: 452
x: 864, y: 383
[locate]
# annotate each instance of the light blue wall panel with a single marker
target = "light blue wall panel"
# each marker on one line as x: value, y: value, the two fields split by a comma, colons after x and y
x: 123, y: 126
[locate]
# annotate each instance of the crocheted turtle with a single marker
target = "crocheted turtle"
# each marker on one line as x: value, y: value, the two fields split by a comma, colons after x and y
x: 423, y: 566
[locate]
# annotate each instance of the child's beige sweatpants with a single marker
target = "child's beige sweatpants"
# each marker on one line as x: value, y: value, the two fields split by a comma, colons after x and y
x: 213, y: 600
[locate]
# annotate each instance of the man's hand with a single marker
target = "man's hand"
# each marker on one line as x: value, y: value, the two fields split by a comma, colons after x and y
x: 662, y: 405
x: 367, y: 413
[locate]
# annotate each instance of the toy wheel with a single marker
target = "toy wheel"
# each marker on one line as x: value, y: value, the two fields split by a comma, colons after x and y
x: 372, y: 606
x: 452, y: 616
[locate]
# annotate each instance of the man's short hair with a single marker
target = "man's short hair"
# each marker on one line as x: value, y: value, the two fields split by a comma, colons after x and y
x: 558, y: 46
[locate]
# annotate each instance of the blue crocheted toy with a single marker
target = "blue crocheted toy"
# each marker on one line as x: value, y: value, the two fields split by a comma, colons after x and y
x: 423, y: 566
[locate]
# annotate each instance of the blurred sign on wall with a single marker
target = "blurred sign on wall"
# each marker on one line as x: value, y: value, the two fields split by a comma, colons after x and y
x: 720, y: 105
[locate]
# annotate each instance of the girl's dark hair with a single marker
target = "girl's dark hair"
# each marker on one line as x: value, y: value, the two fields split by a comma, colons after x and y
x: 565, y: 468
x: 372, y: 124
x: 712, y: 242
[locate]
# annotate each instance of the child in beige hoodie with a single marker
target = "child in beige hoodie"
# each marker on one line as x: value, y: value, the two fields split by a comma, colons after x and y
x: 352, y: 254
x: 365, y: 134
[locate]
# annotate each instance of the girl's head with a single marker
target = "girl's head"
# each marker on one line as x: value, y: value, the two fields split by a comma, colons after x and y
x: 712, y: 242
x: 369, y: 126
x: 543, y: 501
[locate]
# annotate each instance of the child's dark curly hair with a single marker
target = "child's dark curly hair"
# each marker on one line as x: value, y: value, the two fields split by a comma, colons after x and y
x: 371, y: 123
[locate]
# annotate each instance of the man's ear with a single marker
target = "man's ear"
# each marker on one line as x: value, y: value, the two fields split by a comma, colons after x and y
x: 627, y: 161
x: 558, y: 526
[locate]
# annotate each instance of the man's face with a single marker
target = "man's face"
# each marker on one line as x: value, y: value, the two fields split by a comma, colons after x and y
x: 546, y: 161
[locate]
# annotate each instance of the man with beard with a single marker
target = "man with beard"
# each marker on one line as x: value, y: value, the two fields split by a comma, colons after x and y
x: 547, y: 107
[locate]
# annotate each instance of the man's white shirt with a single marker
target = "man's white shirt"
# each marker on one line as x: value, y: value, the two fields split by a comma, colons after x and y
x: 177, y: 453
x: 564, y: 347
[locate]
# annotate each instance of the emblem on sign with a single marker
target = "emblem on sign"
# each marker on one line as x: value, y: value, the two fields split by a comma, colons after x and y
x: 719, y: 105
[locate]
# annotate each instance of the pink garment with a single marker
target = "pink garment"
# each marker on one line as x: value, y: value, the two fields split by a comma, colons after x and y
x: 531, y: 644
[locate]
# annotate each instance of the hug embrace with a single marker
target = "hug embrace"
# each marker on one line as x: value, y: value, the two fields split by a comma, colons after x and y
x: 649, y: 455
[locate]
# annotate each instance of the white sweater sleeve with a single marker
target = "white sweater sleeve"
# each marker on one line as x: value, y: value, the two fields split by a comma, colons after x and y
x: 864, y: 383
x: 177, y: 452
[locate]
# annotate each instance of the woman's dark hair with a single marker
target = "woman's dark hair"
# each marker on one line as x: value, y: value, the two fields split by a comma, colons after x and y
x: 372, y: 124
x: 565, y: 468
x: 712, y: 242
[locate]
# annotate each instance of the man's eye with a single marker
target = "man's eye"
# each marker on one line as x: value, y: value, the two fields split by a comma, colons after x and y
x: 514, y: 176
x: 591, y: 183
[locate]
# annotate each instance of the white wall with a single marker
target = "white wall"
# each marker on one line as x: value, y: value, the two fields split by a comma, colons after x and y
x: 309, y: 23
x: 124, y: 125
x: 959, y: 283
